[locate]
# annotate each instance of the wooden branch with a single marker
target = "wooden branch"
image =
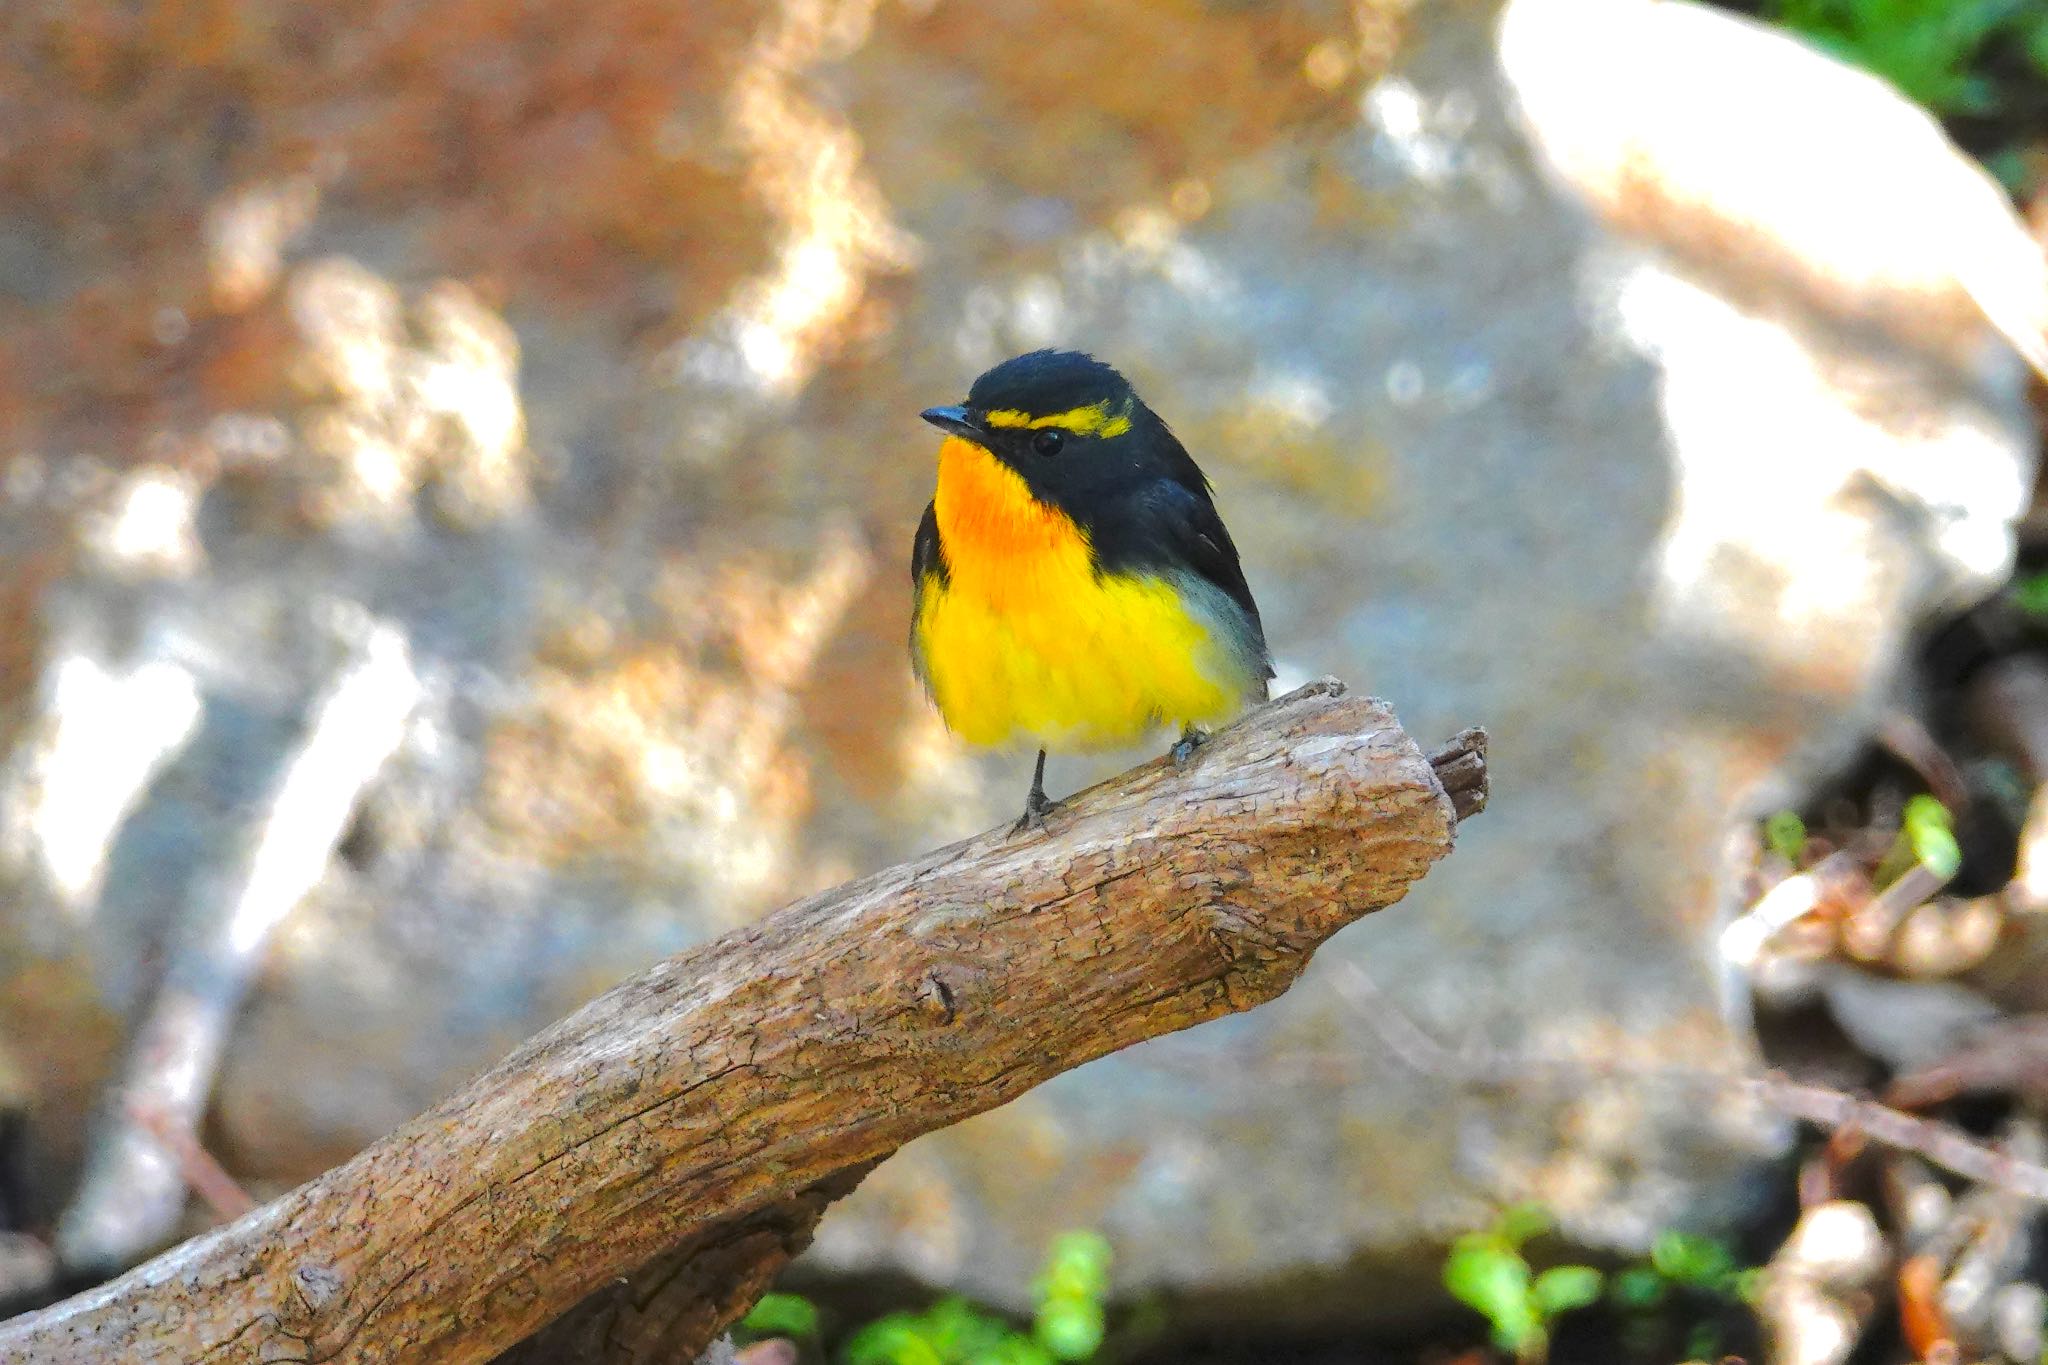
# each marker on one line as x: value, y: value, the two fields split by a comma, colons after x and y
x: 658, y: 1315
x: 669, y: 1310
x: 679, y: 1109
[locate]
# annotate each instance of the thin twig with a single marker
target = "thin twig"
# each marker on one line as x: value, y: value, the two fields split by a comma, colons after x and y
x: 207, y: 1177
x: 1940, y: 1143
x: 1821, y: 1106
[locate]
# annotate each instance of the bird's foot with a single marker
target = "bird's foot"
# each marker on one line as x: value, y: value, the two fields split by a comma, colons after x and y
x: 1184, y: 748
x: 1036, y: 808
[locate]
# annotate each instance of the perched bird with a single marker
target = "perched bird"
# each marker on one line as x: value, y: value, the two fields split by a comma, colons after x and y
x: 1073, y: 585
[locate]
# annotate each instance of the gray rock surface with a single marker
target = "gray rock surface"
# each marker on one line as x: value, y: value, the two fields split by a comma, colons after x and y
x: 638, y: 493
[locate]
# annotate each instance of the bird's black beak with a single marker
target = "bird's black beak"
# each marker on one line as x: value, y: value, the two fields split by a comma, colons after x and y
x: 955, y: 421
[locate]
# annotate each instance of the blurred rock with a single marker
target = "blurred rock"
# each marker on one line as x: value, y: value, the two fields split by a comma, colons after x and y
x: 1904, y: 1024
x: 1820, y: 196
x: 28, y: 1272
x: 583, y: 346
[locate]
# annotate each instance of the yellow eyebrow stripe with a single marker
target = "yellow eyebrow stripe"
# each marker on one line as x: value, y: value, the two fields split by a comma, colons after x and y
x: 1093, y: 420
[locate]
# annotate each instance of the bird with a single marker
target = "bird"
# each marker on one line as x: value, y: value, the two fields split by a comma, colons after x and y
x: 1073, y: 586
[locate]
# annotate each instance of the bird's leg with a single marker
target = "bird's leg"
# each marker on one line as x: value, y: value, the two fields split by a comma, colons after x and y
x: 1192, y: 737
x: 1036, y: 806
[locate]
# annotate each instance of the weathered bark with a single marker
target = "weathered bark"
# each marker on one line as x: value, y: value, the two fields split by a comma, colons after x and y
x: 670, y: 1309
x: 680, y: 1108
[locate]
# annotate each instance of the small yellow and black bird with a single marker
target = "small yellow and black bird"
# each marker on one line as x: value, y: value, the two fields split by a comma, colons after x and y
x: 1074, y: 586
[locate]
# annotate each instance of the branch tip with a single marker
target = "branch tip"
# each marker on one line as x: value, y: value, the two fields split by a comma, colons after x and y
x: 1460, y: 765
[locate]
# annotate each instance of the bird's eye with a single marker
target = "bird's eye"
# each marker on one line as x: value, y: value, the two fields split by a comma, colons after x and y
x: 1048, y: 441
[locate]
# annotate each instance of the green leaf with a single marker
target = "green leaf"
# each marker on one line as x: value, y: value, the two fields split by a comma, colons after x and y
x: 782, y: 1315
x: 1699, y: 1262
x: 1071, y: 1329
x: 1637, y: 1289
x: 960, y: 1331
x: 1932, y: 836
x: 2037, y: 53
x: 1013, y: 1349
x: 1562, y: 1288
x: 2030, y: 594
x: 897, y: 1339
x: 1494, y: 1280
x: 1785, y: 835
x: 950, y: 1332
x: 1523, y: 1222
x: 1076, y: 1267
x: 1933, y: 52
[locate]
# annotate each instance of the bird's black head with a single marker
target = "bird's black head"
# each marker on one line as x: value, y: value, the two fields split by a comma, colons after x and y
x: 1042, y: 384
x: 1070, y: 426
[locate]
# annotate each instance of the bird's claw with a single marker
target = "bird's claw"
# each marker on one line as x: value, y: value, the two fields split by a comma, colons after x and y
x: 1036, y: 808
x: 1184, y: 748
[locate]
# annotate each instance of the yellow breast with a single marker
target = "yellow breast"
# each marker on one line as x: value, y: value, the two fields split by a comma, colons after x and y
x: 1025, y: 643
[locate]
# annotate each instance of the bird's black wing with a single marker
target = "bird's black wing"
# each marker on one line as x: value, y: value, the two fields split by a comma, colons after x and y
x: 1170, y: 525
x: 927, y: 555
x: 927, y: 561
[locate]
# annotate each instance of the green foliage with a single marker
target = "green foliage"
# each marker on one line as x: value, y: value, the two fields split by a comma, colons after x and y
x: 1931, y: 835
x: 950, y: 1332
x: 1069, y: 1291
x: 1688, y: 1282
x: 1687, y: 1290
x: 1562, y: 1288
x: 1638, y: 1289
x: 1785, y: 835
x: 2030, y: 593
x: 1697, y: 1263
x: 1493, y: 1279
x: 781, y: 1315
x: 1932, y: 50
x: 1069, y: 1324
x: 1981, y: 61
x: 2034, y: 38
x: 1926, y: 838
x: 1487, y: 1272
x: 1521, y: 1223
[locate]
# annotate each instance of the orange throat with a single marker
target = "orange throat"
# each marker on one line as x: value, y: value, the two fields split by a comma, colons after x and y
x: 990, y: 524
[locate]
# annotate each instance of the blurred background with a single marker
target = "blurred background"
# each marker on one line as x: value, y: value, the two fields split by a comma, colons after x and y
x: 457, y: 470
